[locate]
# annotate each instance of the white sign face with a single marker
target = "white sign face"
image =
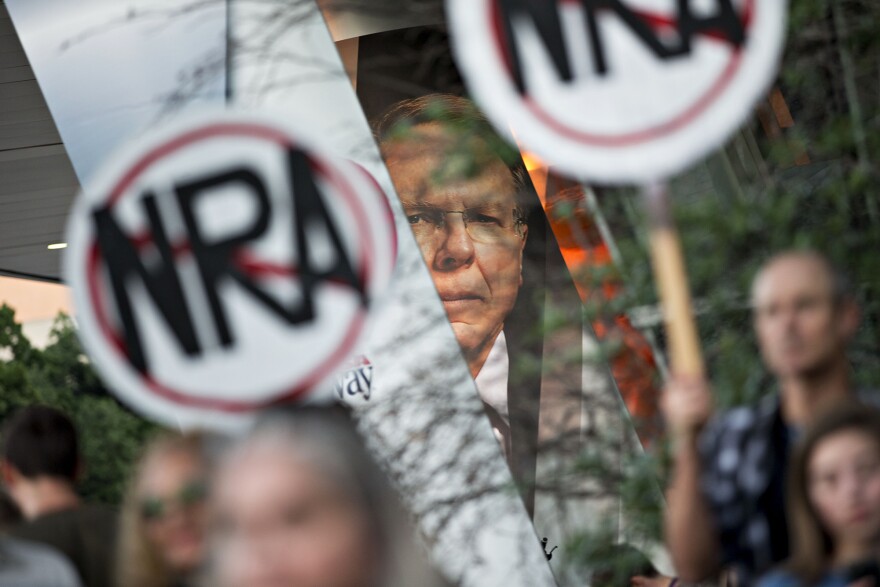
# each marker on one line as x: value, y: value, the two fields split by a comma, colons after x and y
x: 618, y: 91
x: 225, y: 264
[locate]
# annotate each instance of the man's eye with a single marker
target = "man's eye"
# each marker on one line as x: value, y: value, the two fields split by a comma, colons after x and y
x: 424, y: 217
x: 418, y: 218
x: 483, y: 219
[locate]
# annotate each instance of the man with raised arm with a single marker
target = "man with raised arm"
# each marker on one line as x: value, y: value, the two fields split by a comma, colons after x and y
x: 726, y: 499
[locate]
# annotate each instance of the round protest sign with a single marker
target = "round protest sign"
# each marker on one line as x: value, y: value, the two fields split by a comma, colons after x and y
x: 224, y: 264
x: 618, y: 91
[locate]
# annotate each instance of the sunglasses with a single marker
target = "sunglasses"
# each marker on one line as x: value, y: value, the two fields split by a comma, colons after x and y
x: 155, y: 508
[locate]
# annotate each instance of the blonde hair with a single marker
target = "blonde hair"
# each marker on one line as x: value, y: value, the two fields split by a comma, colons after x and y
x: 138, y: 564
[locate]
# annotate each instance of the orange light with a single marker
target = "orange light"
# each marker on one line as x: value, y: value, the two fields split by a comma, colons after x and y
x: 531, y: 161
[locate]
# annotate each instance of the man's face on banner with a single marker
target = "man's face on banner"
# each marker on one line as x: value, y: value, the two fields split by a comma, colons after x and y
x: 469, y: 230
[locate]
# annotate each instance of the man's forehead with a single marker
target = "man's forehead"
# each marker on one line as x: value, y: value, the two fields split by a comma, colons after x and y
x: 791, y: 275
x: 428, y: 136
x: 427, y: 175
x: 460, y: 195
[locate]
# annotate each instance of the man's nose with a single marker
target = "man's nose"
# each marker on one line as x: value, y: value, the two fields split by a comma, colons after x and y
x: 456, y: 249
x: 788, y: 318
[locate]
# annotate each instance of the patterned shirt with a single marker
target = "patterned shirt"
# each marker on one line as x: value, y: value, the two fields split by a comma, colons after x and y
x: 740, y: 452
x: 744, y: 457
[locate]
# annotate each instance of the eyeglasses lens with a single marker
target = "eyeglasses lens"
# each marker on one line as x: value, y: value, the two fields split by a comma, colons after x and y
x: 483, y: 226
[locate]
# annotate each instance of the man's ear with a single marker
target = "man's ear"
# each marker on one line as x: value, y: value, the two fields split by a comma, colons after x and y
x: 850, y: 319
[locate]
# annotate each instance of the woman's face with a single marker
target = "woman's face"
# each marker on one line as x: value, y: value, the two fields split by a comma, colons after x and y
x: 844, y: 486
x: 171, y: 498
x: 277, y: 521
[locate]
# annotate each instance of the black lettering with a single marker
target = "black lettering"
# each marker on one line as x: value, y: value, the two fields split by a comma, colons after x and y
x: 215, y: 259
x: 357, y: 380
x: 368, y: 379
x: 310, y: 211
x: 637, y: 25
x: 354, y: 385
x: 725, y: 22
x: 544, y: 16
x: 162, y: 283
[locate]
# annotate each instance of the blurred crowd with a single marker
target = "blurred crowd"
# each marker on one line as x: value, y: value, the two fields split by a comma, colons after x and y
x: 783, y: 493
x: 296, y: 501
x: 786, y: 492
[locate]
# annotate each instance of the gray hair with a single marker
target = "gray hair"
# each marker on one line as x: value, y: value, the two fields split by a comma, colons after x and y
x: 462, y: 116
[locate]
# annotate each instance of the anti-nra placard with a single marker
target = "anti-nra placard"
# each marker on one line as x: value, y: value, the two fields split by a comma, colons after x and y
x: 618, y: 91
x: 224, y: 264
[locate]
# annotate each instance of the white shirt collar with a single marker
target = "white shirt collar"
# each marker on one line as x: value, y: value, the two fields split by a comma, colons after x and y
x: 492, y: 379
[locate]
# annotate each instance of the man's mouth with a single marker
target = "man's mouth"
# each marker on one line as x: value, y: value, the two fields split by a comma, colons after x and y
x: 460, y: 304
x: 460, y: 297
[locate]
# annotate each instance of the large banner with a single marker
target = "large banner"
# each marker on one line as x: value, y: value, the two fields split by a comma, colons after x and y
x: 421, y: 417
x: 526, y: 273
x: 481, y: 380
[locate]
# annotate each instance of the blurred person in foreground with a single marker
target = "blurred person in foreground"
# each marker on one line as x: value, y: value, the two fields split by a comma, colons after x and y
x: 40, y: 466
x: 162, y: 523
x: 834, y: 502
x: 28, y: 564
x: 297, y: 502
x: 726, y: 499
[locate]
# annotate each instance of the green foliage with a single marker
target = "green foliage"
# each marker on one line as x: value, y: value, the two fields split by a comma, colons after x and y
x: 60, y: 376
x: 815, y: 184
x: 743, y: 205
x: 607, y: 563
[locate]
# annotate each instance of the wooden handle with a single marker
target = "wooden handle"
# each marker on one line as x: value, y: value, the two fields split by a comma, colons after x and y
x: 685, y: 353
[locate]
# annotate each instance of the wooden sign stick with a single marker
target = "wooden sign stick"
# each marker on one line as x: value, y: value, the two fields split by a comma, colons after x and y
x: 685, y: 353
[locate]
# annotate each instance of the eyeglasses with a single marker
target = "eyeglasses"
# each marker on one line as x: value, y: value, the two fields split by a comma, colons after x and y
x: 154, y: 508
x: 484, y: 225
